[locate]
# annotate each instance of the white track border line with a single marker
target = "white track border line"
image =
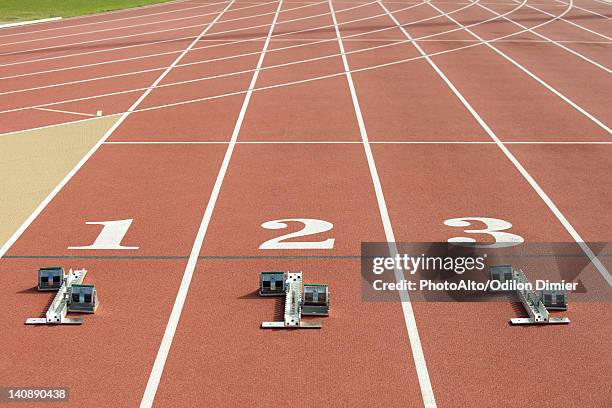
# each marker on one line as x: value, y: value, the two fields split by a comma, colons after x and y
x: 7, y: 245
x: 30, y: 22
x: 164, y: 348
x: 536, y: 187
x: 526, y: 71
x: 549, y: 40
x: 418, y: 356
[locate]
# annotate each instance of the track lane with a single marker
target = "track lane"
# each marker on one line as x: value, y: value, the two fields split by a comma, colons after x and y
x: 450, y: 183
x: 119, y: 182
x: 401, y: 102
x: 201, y: 123
x: 325, y: 105
x: 223, y: 334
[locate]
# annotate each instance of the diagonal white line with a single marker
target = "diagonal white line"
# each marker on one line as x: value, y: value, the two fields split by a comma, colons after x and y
x: 528, y: 72
x: 598, y: 65
x: 547, y: 200
x: 175, y: 315
x: 570, y: 21
x: 109, y: 132
x: 587, y: 10
x: 411, y: 327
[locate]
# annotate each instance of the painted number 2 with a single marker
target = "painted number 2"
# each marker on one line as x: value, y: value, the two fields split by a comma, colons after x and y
x: 311, y: 226
x: 494, y: 227
x: 111, y: 235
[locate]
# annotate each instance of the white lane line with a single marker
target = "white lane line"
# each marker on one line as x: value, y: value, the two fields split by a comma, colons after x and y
x: 61, y: 46
x: 577, y: 54
x: 164, y: 348
x: 115, y: 29
x: 547, y: 200
x: 234, y: 56
x: 121, y: 37
x: 569, y: 22
x: 586, y: 10
x: 7, y: 245
x: 243, y: 28
x: 284, y: 64
x: 410, y: 321
x: 528, y: 72
x: 31, y: 22
x: 409, y: 142
x: 68, y: 112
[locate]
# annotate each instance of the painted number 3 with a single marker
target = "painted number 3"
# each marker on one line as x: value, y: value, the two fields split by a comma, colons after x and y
x: 493, y: 226
x: 310, y: 226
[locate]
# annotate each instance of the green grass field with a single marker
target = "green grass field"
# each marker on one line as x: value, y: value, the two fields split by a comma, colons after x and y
x: 19, y: 10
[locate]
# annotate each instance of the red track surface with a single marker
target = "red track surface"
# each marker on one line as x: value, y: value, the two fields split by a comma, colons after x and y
x: 363, y: 356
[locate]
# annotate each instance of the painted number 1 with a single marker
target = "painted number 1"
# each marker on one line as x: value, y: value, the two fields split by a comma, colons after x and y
x: 111, y: 235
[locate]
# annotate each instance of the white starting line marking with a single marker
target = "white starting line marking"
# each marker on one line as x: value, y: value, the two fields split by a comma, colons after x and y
x: 24, y: 23
x: 98, y: 113
x: 408, y: 142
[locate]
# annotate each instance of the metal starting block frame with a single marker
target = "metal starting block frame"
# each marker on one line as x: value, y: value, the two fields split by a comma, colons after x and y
x: 294, y: 306
x: 533, y: 302
x: 71, y: 296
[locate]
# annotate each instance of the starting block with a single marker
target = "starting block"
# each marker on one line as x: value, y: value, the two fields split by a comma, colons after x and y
x: 71, y: 296
x: 83, y: 299
x: 555, y: 299
x: 295, y: 305
x: 536, y: 304
x: 50, y: 278
x: 316, y: 300
x: 272, y: 284
x: 501, y: 273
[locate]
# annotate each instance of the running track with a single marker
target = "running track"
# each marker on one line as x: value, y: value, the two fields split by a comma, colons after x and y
x: 382, y: 118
